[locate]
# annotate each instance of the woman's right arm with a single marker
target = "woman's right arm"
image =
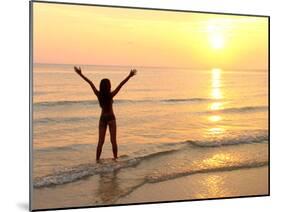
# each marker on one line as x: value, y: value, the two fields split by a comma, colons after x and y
x: 79, y: 72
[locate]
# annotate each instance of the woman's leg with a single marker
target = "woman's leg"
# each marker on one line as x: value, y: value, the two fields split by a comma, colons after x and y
x: 102, y: 131
x: 112, y: 130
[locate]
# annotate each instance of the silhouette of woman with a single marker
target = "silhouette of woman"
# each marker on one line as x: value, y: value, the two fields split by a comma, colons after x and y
x: 107, y: 118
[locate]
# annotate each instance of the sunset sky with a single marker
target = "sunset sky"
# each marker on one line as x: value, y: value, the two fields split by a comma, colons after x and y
x: 71, y: 34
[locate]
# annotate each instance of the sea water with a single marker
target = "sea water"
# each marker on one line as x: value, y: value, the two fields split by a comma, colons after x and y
x: 171, y: 122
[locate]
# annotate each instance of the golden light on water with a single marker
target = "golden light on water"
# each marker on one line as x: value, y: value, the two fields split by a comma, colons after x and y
x: 216, y: 75
x: 216, y: 92
x: 215, y: 183
x: 217, y: 160
x: 215, y: 186
x: 216, y: 131
x: 216, y: 106
x: 215, y: 118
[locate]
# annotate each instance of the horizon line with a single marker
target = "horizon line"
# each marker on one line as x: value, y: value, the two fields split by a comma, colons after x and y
x: 152, y: 66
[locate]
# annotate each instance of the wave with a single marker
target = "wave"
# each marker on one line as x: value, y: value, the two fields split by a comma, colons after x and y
x: 95, y: 102
x: 65, y: 103
x: 260, y: 136
x: 187, y: 100
x: 247, y: 165
x: 242, y: 109
x: 72, y: 147
x: 57, y: 120
x: 238, y: 140
x: 82, y: 171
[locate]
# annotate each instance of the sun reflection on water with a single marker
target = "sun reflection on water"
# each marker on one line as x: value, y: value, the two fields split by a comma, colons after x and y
x: 216, y: 106
x: 215, y: 118
x: 214, y: 186
x: 216, y: 94
x: 213, y: 183
x: 218, y: 160
x: 215, y: 131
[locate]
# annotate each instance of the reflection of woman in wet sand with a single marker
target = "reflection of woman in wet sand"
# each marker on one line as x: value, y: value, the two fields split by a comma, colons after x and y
x: 105, y: 97
x: 109, y: 189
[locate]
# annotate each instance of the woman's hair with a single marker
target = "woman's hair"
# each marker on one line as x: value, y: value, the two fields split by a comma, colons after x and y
x: 105, y: 98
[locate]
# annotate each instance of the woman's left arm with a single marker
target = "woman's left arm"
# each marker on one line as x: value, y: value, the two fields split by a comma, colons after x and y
x: 132, y: 73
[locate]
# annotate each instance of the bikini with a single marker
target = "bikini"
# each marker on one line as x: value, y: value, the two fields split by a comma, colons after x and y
x: 105, y: 118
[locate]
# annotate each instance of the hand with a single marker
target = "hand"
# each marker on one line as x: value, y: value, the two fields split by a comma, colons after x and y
x: 78, y: 70
x: 133, y: 72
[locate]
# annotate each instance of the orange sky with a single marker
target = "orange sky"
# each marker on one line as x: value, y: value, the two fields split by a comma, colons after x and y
x: 71, y: 34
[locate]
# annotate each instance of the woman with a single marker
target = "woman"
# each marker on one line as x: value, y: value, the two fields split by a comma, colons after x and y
x: 107, y: 118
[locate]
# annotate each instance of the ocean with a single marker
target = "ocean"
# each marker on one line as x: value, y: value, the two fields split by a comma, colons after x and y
x: 171, y: 122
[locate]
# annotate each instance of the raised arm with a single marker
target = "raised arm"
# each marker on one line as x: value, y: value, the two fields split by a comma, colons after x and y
x: 79, y: 72
x: 132, y: 73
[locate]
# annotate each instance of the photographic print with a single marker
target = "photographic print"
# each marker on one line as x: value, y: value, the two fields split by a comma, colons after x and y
x: 136, y: 105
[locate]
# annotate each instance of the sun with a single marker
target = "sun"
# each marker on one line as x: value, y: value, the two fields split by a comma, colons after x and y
x: 216, y: 40
x: 215, y: 34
